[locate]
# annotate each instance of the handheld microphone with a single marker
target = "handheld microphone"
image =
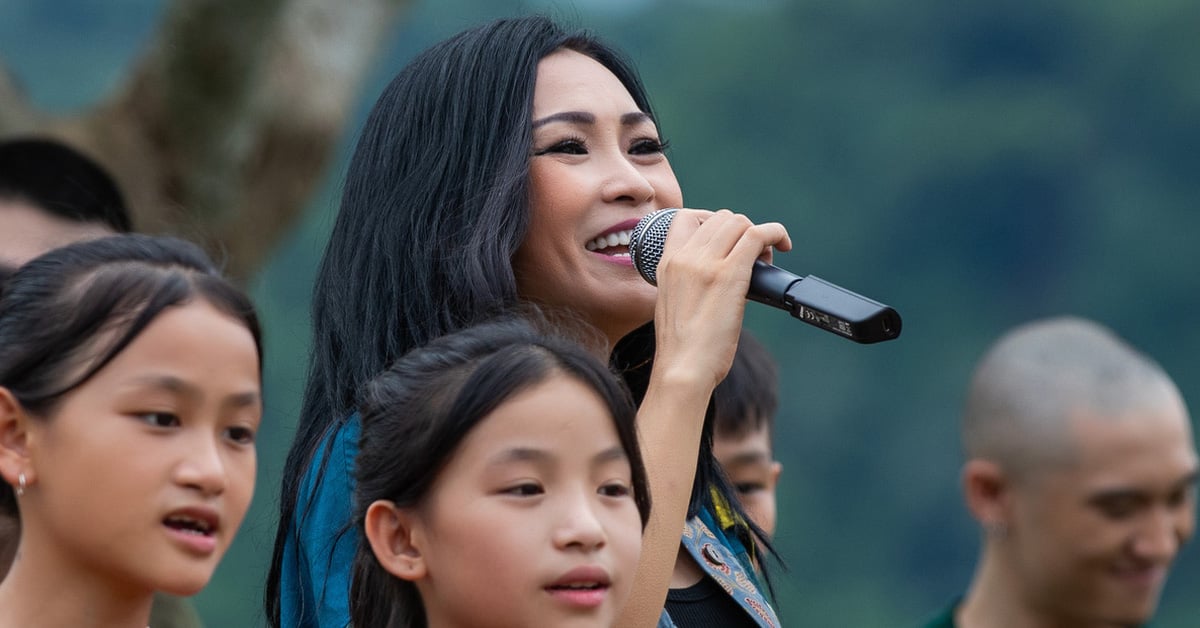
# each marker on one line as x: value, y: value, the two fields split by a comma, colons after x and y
x: 810, y: 299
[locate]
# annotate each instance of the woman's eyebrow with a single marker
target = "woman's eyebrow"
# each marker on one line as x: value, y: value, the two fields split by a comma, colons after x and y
x: 635, y: 117
x: 583, y: 117
x: 577, y: 117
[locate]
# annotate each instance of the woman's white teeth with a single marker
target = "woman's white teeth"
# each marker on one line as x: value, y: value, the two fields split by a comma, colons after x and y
x: 619, y: 238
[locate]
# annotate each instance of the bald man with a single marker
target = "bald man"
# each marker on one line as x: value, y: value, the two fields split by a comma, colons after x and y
x: 1081, y: 471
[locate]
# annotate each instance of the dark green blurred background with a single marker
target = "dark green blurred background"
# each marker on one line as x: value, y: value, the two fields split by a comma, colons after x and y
x: 973, y: 164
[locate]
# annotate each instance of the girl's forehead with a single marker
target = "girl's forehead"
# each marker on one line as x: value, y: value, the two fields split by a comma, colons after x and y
x: 559, y: 417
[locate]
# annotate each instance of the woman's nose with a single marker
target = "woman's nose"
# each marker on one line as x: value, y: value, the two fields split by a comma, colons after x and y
x: 624, y: 182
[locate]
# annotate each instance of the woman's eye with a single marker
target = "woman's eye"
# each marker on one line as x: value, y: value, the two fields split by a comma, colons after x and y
x: 647, y: 146
x: 566, y: 147
x: 614, y: 489
x: 240, y: 435
x: 159, y: 419
x: 524, y: 490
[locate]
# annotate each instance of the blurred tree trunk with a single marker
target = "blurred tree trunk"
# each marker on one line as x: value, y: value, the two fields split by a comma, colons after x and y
x: 223, y: 128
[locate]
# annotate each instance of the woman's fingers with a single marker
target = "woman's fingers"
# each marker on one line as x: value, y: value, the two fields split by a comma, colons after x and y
x: 773, y: 233
x: 703, y: 280
x: 699, y: 238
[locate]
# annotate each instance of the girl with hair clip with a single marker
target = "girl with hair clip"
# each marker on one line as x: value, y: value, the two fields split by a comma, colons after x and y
x: 130, y: 394
x: 504, y: 166
x: 499, y: 483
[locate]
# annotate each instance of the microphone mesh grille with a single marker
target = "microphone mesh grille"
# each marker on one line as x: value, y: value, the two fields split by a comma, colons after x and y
x: 646, y: 243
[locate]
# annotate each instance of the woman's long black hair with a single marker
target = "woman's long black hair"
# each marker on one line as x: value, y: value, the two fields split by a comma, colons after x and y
x: 434, y: 206
x: 417, y: 413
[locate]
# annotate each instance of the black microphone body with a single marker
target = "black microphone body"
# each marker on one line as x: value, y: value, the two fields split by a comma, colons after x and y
x: 810, y: 299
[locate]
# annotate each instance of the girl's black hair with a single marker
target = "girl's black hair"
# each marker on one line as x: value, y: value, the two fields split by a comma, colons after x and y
x: 68, y: 313
x: 434, y: 206
x: 415, y: 415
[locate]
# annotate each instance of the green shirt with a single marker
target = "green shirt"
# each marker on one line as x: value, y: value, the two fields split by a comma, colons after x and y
x: 944, y: 619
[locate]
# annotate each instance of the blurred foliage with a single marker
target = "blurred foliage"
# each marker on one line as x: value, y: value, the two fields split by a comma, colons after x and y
x: 973, y: 164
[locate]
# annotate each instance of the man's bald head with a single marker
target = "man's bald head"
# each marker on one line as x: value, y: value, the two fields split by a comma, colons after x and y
x: 1082, y: 472
x: 1035, y: 379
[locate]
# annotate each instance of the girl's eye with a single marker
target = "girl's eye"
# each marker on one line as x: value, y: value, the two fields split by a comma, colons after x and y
x: 526, y: 489
x: 159, y: 419
x: 614, y: 489
x: 572, y: 146
x: 241, y: 435
x: 648, y: 146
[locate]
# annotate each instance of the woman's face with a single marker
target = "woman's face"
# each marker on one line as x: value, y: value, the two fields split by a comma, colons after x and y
x: 143, y: 474
x: 533, y: 521
x: 597, y: 168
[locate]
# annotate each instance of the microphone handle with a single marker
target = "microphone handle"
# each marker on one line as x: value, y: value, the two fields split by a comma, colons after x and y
x: 823, y: 304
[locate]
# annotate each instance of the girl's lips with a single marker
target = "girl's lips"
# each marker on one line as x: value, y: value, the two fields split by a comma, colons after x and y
x: 580, y: 598
x: 198, y: 544
x: 581, y: 587
x: 194, y: 528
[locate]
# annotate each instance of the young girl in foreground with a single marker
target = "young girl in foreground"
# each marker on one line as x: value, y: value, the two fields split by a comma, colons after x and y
x: 499, y: 483
x: 130, y: 395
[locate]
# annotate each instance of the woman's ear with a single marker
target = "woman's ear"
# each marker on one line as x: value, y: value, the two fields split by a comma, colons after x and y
x: 14, y: 439
x: 394, y: 535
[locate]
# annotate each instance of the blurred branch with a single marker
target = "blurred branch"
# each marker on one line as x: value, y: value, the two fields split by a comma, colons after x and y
x: 312, y: 82
x: 224, y: 127
x: 15, y: 114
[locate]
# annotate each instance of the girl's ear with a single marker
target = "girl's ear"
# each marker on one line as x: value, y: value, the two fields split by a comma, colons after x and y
x: 394, y: 535
x: 14, y: 440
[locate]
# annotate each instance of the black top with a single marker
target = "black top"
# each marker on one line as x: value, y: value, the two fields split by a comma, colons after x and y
x: 706, y: 604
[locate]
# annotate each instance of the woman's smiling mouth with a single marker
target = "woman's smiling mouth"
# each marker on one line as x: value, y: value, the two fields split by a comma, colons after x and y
x: 615, y: 243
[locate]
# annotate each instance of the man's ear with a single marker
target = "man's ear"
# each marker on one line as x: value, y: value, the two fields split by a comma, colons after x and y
x: 14, y: 439
x: 987, y: 491
x: 394, y: 535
